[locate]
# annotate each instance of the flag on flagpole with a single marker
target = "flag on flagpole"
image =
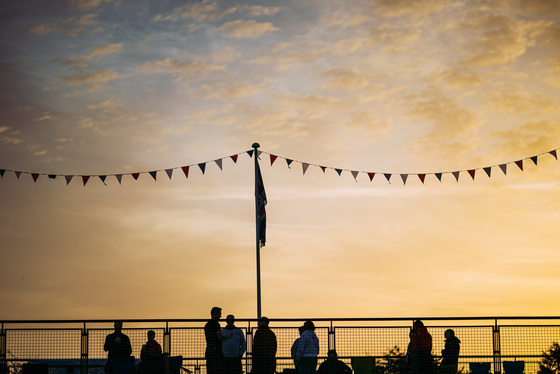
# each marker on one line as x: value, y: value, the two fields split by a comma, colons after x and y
x: 261, y: 211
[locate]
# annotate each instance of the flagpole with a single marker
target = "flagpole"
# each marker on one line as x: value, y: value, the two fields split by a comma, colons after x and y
x: 257, y: 224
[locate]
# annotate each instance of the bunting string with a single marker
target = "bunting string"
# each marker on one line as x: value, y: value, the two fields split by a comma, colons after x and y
x: 503, y: 167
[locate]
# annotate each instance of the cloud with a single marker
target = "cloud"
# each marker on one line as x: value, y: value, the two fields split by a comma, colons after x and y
x: 100, y: 76
x: 405, y: 8
x: 172, y: 66
x: 346, y: 79
x: 84, y: 4
x: 247, y: 29
x: 104, y: 50
x: 530, y: 138
x: 9, y: 135
x: 78, y: 23
x: 502, y: 39
x: 372, y: 123
x: 450, y: 119
x: 460, y: 77
x: 513, y: 100
x: 209, y: 11
x: 236, y: 91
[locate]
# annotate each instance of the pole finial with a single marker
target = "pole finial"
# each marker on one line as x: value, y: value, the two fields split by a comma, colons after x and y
x: 256, y: 145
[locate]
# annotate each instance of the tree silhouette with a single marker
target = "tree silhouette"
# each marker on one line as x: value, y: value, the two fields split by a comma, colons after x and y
x: 550, y: 360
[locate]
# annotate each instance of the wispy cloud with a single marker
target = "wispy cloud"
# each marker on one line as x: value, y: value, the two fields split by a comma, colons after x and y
x: 100, y: 76
x: 73, y: 23
x: 247, y: 29
x: 173, y: 66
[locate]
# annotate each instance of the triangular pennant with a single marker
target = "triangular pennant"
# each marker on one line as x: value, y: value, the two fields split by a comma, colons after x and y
x: 202, y: 166
x: 534, y: 159
x: 488, y: 170
x: 169, y: 172
x: 272, y: 159
x: 85, y: 179
x: 186, y: 171
x: 304, y: 166
x: 52, y: 176
x: 520, y: 164
x: 119, y: 177
x: 35, y: 176
x: 219, y: 163
x: 371, y: 175
x: 323, y: 168
x: 355, y: 174
x: 422, y: 177
x: 2, y: 171
x: 68, y: 178
x: 554, y: 154
x: 404, y: 177
x: 135, y: 175
x: 504, y: 168
x: 438, y: 176
x: 250, y: 153
x: 471, y: 172
x: 388, y: 177
x: 259, y: 153
x: 456, y: 175
x: 339, y: 171
x: 103, y: 177
x: 154, y: 174
x: 18, y: 173
x: 288, y: 161
x: 234, y: 158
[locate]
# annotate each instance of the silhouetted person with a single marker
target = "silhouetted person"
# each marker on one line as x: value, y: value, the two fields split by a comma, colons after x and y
x: 264, y: 349
x: 421, y: 349
x: 308, y: 349
x: 151, y: 355
x: 295, y: 347
x: 450, y: 353
x: 332, y: 365
x: 233, y: 348
x: 213, y: 333
x: 117, y: 345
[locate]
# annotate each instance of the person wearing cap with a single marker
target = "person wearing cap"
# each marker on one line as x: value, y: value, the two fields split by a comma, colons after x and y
x: 264, y: 349
x: 233, y: 348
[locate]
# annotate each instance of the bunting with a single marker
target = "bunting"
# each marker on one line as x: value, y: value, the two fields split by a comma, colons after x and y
x: 220, y: 163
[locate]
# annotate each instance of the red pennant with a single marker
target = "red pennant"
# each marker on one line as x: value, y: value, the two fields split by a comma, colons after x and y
x: 135, y: 175
x: 234, y: 158
x: 422, y: 177
x: 85, y: 179
x: 35, y: 176
x: 272, y: 159
x: 186, y: 171
x: 323, y: 168
x: 471, y: 172
x: 520, y: 164
x: 371, y: 175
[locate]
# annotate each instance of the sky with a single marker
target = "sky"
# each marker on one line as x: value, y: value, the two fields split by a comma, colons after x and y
x: 407, y: 89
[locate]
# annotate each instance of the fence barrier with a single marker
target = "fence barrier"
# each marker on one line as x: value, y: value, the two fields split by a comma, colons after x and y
x: 76, y: 346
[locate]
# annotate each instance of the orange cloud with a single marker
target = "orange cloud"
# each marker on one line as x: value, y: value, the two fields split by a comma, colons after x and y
x: 87, y: 19
x: 172, y: 66
x: 100, y: 76
x: 247, y: 29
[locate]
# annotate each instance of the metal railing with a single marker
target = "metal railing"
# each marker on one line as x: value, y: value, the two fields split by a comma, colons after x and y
x: 77, y: 345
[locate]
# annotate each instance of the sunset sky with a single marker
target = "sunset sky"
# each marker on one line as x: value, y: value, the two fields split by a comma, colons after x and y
x: 105, y: 87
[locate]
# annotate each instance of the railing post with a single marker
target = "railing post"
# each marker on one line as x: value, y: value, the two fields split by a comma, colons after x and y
x: 84, y: 351
x: 249, y: 350
x: 497, y: 352
x: 167, y: 340
x: 3, y: 362
x: 331, y: 343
